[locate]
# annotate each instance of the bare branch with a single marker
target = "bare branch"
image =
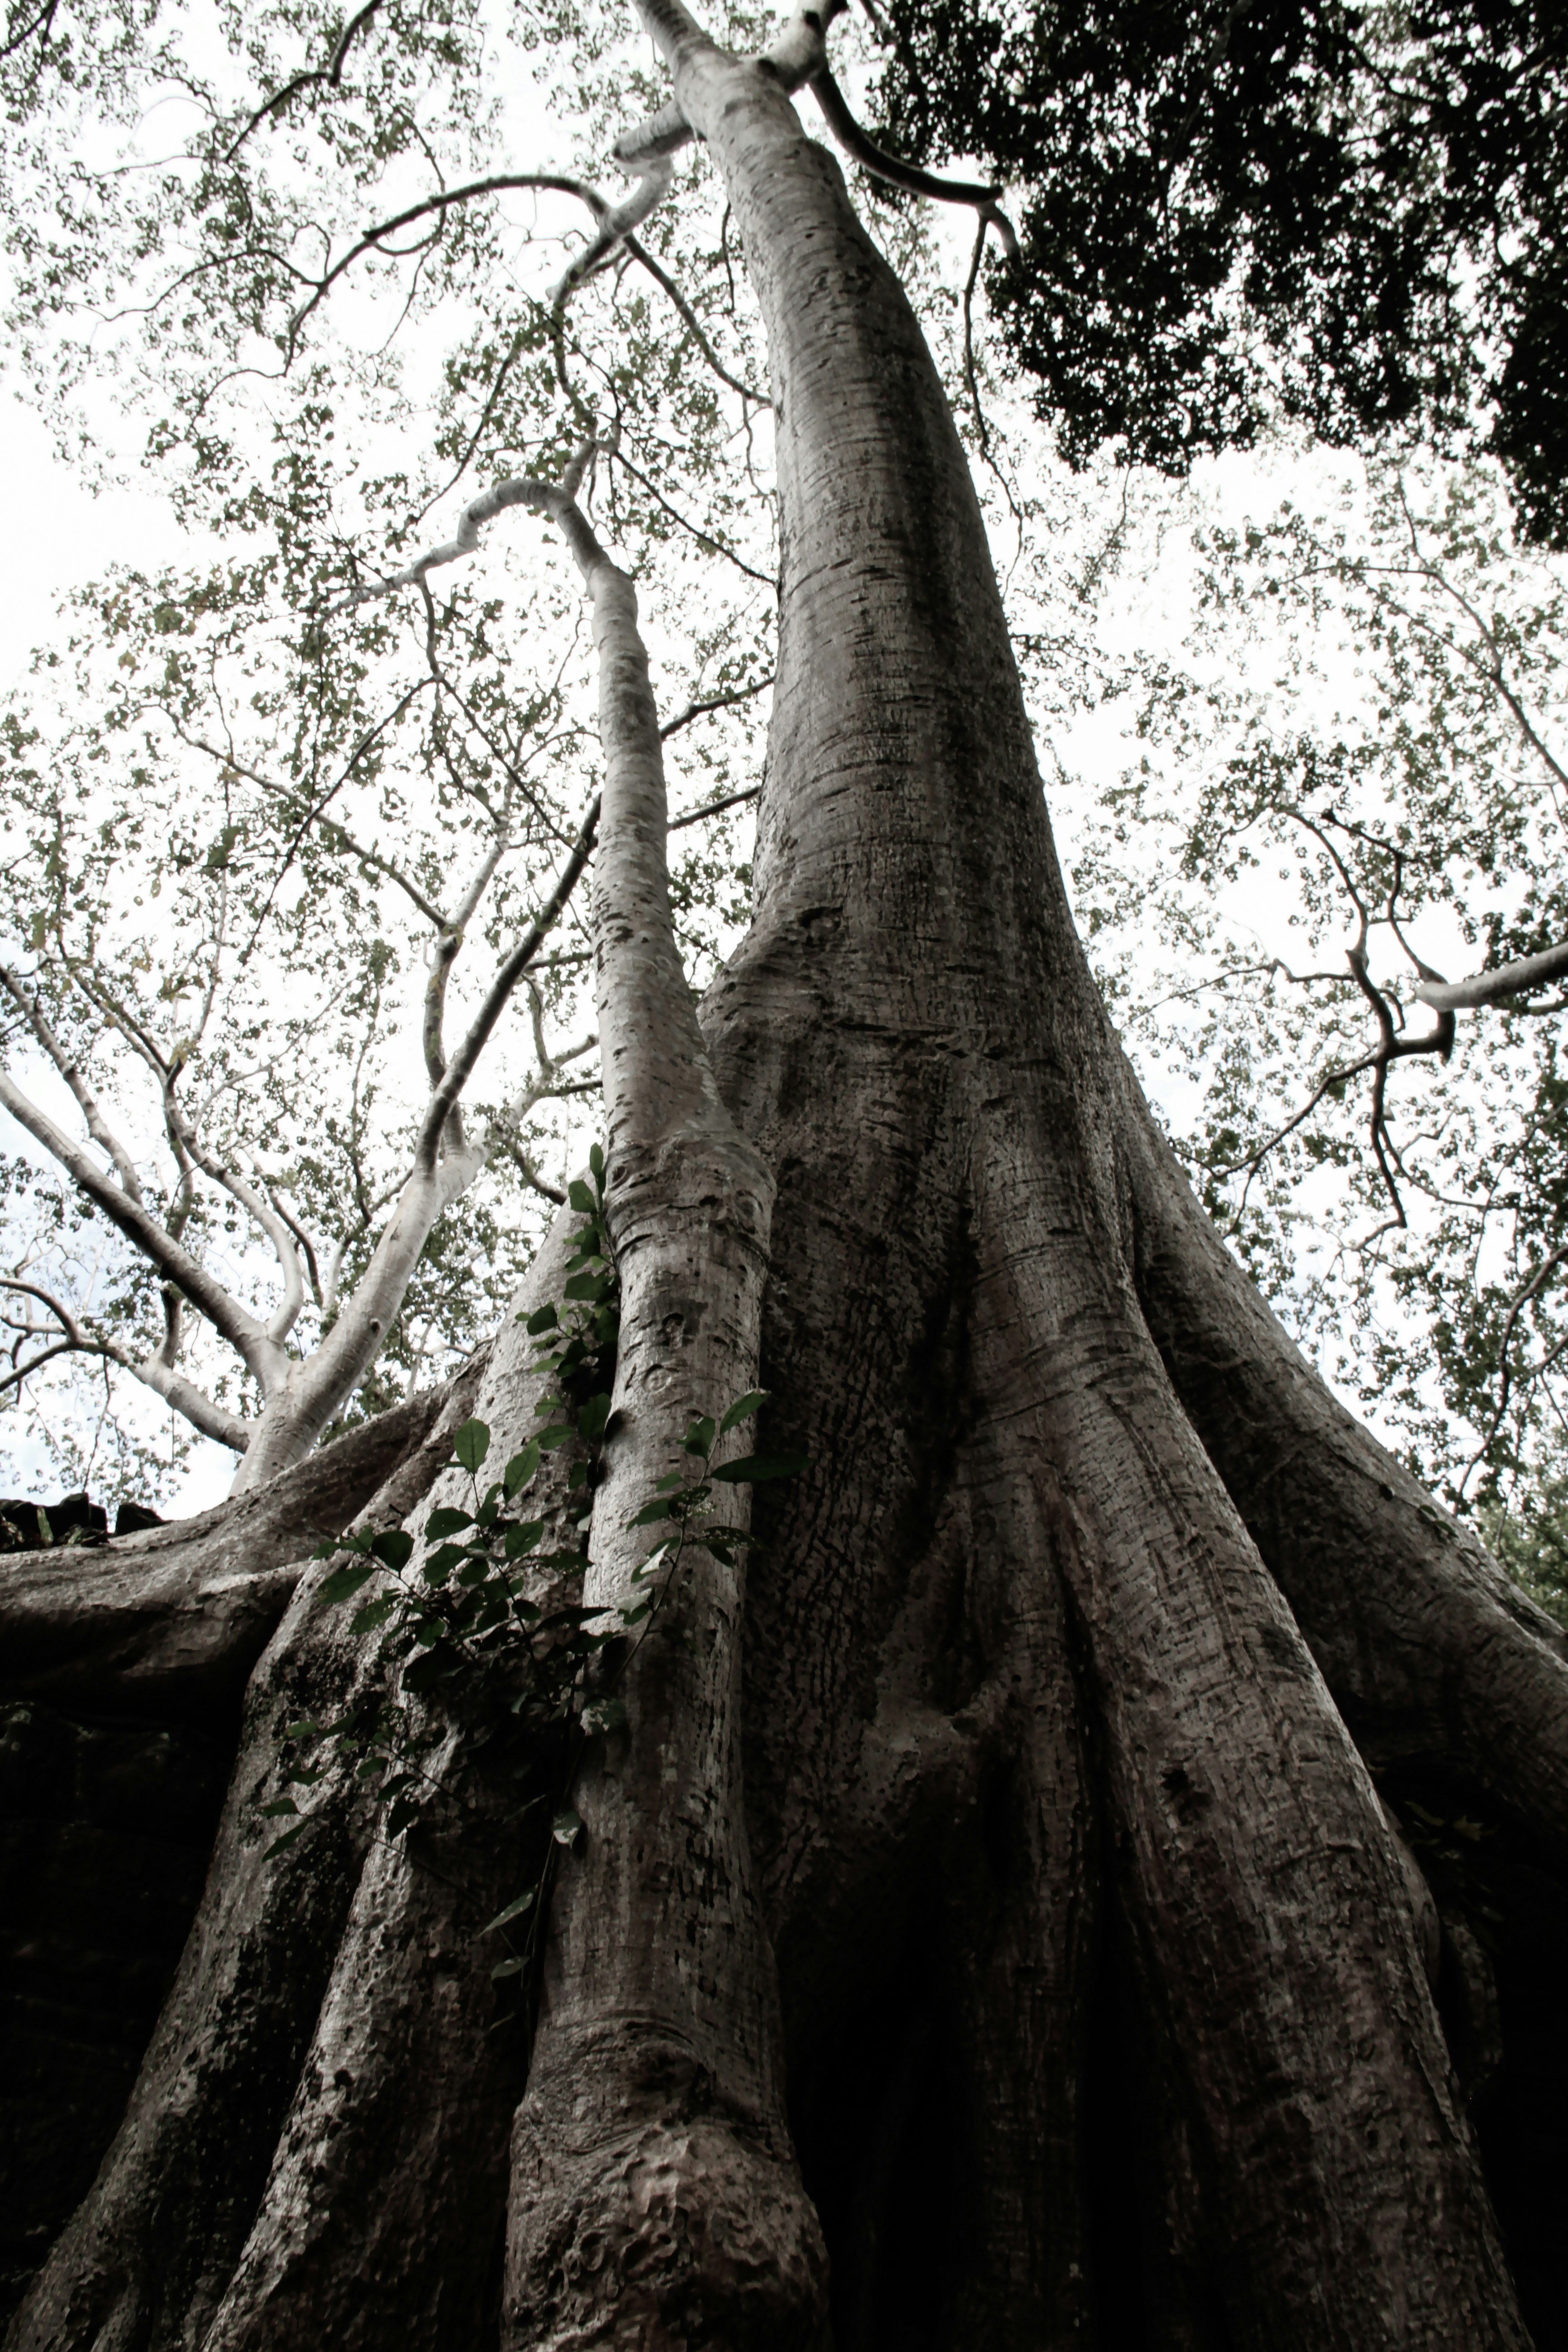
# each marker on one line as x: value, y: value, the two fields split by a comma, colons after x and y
x: 908, y: 176
x: 1493, y: 987
x: 441, y: 202
x: 332, y: 74
x: 71, y: 1070
x: 151, y: 1371
x: 240, y: 1328
x: 639, y: 252
x: 714, y: 702
x: 713, y: 808
x: 460, y: 1067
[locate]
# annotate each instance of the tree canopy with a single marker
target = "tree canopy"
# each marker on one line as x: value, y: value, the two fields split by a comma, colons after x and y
x: 1355, y: 214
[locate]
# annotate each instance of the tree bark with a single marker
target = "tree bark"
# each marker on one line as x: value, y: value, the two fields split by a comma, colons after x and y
x: 1007, y: 1839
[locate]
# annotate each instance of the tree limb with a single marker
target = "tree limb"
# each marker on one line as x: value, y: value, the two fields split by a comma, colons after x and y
x: 1493, y: 987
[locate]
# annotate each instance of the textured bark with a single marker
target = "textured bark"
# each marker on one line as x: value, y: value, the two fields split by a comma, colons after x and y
x: 655, y: 2197
x: 1020, y: 1906
x: 169, y: 1622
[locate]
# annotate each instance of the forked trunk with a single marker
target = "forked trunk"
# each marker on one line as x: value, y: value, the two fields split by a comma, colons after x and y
x: 1061, y: 1935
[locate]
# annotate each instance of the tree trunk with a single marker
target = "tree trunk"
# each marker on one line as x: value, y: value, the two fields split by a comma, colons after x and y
x: 1063, y: 1928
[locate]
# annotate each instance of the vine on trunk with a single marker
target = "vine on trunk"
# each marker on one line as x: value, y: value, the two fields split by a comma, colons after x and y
x: 479, y: 1641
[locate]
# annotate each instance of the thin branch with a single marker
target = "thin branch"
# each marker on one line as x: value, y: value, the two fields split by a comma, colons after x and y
x: 240, y: 1328
x: 714, y: 702
x: 70, y: 1071
x: 441, y: 202
x: 460, y: 1067
x: 908, y: 176
x: 41, y: 24
x: 713, y: 808
x: 332, y: 74
x: 661, y: 277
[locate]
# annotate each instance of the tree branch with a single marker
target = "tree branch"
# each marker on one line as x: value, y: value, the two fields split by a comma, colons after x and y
x: 249, y: 1339
x: 1493, y: 987
x: 332, y: 74
x: 71, y: 1070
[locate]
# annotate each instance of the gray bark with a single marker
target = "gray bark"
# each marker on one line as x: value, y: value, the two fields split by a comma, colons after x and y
x: 1007, y: 1839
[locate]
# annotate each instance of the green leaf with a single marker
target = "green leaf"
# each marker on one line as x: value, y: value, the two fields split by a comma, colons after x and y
x: 505, y: 1968
x: 668, y: 1486
x: 344, y: 1582
x: 287, y: 1838
x: 544, y: 1319
x: 520, y: 1469
x: 447, y: 1521
x: 277, y: 1807
x: 374, y: 1613
x: 514, y: 1910
x: 589, y: 1288
x: 448, y: 1556
x: 581, y: 1197
x: 700, y: 1434
x: 470, y: 1445
x: 596, y: 1162
x: 576, y: 1477
x: 592, y: 1419
x: 650, y: 1513
x: 394, y: 1545
x: 402, y: 1815
x: 302, y: 1731
x: 566, y: 1828
x: 752, y: 1468
x: 603, y: 1715
x: 557, y: 1434
x: 742, y: 1409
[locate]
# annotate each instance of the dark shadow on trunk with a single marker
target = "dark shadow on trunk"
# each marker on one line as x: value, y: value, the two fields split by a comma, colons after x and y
x: 105, y: 1833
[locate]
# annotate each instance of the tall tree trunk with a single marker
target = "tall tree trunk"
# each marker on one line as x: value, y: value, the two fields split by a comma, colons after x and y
x: 1062, y: 1925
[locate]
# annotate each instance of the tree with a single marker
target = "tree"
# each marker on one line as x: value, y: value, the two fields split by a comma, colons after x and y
x: 1380, y: 1142
x: 1027, y: 1924
x: 1352, y: 211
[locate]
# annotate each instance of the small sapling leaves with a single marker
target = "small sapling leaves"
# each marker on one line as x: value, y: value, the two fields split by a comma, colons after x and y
x: 742, y: 1409
x: 449, y: 1520
x: 700, y: 1432
x: 277, y: 1807
x: 581, y: 1197
x: 592, y: 1419
x: 752, y: 1468
x: 651, y: 1513
x: 470, y: 1445
x: 520, y: 1469
x: 514, y: 1910
x: 566, y: 1828
x: 512, y: 1967
x: 374, y: 1613
x: 544, y: 1319
x: 344, y: 1582
x: 287, y: 1838
x: 395, y: 1545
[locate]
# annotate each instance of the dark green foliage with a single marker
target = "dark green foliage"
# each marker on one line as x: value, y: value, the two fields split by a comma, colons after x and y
x: 1357, y: 210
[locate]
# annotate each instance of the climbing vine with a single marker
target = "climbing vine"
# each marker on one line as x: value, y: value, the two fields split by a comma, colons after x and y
x: 489, y: 1635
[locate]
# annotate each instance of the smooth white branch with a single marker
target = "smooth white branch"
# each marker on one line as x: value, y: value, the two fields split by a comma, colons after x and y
x: 1517, y: 979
